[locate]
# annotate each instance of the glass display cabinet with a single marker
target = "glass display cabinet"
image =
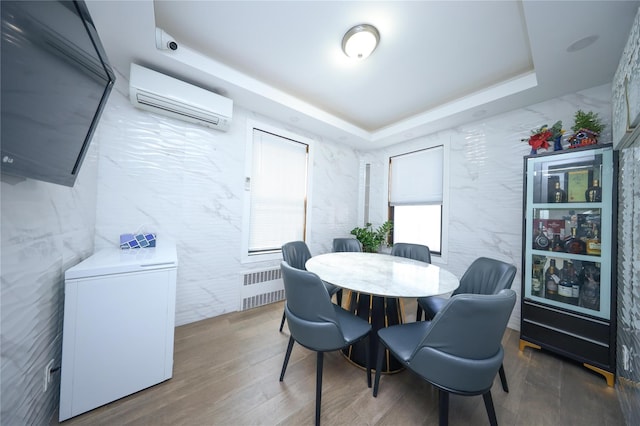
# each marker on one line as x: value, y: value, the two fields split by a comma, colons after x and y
x: 568, y: 270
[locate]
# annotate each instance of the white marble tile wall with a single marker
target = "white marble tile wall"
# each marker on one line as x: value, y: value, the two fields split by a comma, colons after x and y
x: 485, y: 178
x: 335, y: 189
x: 186, y: 182
x: 628, y: 336
x: 46, y: 229
x: 626, y: 85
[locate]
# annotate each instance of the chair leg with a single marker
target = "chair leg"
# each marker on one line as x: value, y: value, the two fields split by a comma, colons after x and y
x: 380, y: 358
x: 283, y: 318
x: 443, y: 407
x: 319, y: 386
x: 488, y: 403
x: 367, y: 354
x: 503, y: 378
x: 419, y: 313
x: 286, y: 358
x: 339, y: 297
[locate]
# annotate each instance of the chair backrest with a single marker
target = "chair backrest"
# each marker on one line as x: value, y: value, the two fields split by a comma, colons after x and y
x: 310, y: 314
x: 296, y: 254
x: 412, y: 251
x: 486, y: 276
x: 346, y: 244
x: 462, y: 348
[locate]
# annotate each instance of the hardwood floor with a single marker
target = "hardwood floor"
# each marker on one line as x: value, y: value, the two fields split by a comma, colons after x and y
x: 226, y: 372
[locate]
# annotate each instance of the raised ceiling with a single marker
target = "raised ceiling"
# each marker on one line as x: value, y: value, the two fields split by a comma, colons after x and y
x: 439, y: 63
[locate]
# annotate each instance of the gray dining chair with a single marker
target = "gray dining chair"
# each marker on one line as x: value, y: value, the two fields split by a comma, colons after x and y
x: 296, y: 254
x: 412, y: 251
x: 346, y: 245
x: 317, y: 324
x: 484, y: 276
x: 341, y: 245
x: 459, y: 352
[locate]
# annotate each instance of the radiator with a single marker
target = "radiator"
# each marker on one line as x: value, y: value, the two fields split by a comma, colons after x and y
x: 261, y: 288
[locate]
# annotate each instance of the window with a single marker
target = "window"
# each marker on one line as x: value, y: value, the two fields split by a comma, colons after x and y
x: 415, y: 197
x: 277, y: 187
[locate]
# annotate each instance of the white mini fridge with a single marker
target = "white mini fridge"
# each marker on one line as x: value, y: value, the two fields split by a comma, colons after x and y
x: 119, y: 319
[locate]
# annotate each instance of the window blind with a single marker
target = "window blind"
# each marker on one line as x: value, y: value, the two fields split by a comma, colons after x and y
x: 416, y: 177
x: 278, y: 191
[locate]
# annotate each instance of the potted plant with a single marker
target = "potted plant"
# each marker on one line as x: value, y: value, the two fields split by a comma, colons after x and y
x: 371, y: 239
x: 586, y: 129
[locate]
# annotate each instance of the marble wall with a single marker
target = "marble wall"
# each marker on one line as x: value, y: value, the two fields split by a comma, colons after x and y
x: 628, y: 359
x: 484, y: 179
x: 46, y: 229
x: 186, y: 183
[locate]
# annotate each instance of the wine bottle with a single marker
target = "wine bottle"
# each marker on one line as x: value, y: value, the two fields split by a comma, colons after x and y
x: 593, y: 242
x: 540, y: 242
x: 593, y: 194
x: 574, y: 244
x: 558, y: 195
x: 556, y: 244
x: 536, y: 278
x: 551, y: 280
x: 572, y: 276
x: 590, y: 291
x: 565, y: 291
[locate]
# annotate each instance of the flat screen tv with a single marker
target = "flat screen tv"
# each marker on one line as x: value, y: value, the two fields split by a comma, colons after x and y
x: 55, y: 82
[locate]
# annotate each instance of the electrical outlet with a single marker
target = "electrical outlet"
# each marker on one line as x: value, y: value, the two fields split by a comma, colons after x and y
x: 47, y: 374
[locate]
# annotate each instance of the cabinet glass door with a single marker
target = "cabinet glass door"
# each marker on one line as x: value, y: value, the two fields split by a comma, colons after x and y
x: 568, y: 231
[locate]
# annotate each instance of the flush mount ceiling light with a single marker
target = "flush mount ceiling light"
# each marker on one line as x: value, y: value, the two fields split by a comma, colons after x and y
x: 582, y: 43
x: 360, y: 41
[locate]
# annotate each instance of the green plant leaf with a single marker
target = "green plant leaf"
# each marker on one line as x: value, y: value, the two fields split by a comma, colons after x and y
x: 587, y: 120
x: 371, y: 239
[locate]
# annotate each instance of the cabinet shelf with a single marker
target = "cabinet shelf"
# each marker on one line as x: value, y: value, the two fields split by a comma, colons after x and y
x: 567, y: 206
x: 569, y: 256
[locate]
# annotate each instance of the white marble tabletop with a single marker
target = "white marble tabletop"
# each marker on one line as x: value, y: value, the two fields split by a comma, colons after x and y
x: 382, y: 274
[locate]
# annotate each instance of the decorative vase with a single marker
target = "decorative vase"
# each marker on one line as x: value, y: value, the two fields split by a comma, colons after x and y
x: 557, y: 143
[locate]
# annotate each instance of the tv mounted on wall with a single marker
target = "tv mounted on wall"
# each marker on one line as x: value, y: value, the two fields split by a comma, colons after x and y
x: 55, y: 83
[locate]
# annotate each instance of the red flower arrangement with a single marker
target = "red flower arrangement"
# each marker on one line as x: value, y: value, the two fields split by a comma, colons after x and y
x: 540, y: 138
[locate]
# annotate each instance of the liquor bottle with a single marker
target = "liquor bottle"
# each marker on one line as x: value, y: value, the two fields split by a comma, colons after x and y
x: 558, y: 195
x: 593, y: 194
x: 556, y: 244
x: 551, y: 280
x: 593, y: 242
x: 572, y: 276
x: 536, y: 278
x: 565, y: 291
x: 574, y: 244
x: 590, y: 291
x: 541, y: 242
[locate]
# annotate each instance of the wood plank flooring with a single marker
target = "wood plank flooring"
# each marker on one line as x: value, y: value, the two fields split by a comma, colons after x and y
x: 226, y: 372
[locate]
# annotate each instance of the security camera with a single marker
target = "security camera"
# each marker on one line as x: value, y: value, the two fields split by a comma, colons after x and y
x: 164, y: 41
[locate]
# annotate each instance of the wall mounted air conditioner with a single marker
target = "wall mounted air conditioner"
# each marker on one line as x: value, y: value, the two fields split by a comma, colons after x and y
x: 159, y: 93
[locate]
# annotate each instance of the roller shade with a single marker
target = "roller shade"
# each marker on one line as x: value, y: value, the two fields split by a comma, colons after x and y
x: 416, y: 177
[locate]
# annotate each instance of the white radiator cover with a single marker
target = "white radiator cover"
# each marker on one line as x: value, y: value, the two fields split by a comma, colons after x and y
x: 261, y: 288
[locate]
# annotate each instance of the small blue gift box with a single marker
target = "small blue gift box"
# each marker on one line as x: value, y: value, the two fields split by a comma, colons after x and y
x: 132, y: 241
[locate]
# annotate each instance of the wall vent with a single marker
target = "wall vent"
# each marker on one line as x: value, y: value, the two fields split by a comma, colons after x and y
x: 261, y: 288
x: 262, y: 276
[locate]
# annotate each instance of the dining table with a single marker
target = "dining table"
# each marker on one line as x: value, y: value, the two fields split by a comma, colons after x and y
x: 377, y: 282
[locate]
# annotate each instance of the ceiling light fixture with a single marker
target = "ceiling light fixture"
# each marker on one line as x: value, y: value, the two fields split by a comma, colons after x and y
x: 360, y: 41
x: 582, y: 43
